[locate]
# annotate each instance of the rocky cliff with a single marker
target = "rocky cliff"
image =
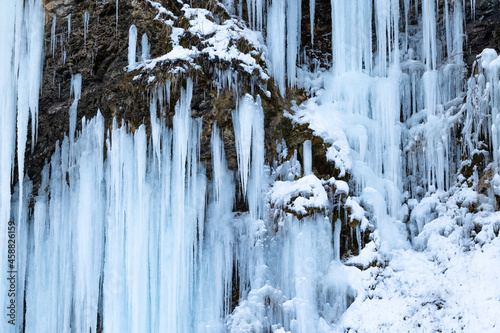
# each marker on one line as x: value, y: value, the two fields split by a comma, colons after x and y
x: 92, y: 38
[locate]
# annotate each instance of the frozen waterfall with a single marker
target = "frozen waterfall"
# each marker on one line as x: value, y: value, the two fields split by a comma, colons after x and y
x: 128, y: 232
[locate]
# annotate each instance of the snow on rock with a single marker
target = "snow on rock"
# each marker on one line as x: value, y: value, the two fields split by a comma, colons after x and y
x: 301, y: 196
x: 228, y: 41
x: 447, y: 287
x: 356, y: 213
x: 446, y: 282
x: 328, y: 126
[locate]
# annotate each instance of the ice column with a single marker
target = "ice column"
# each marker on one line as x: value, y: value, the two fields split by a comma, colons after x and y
x: 307, y: 158
x: 248, y: 122
x: 86, y: 18
x: 352, y: 46
x: 53, y: 37
x: 145, y: 47
x: 68, y: 223
x: 159, y: 265
x: 312, y: 8
x: 283, y: 41
x: 69, y: 25
x: 276, y: 42
x: 215, y: 259
x: 132, y: 43
x: 293, y: 21
x: 7, y: 133
x: 21, y: 28
x: 29, y: 82
x: 76, y: 91
x: 255, y: 13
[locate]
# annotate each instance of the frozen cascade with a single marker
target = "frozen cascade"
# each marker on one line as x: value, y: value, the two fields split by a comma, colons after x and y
x: 293, y: 20
x: 483, y: 106
x: 141, y: 238
x: 346, y: 56
x: 276, y: 42
x: 21, y: 54
x: 76, y: 248
x: 180, y: 260
x: 284, y: 20
x: 365, y: 92
x: 215, y: 259
x: 256, y: 13
x: 245, y: 121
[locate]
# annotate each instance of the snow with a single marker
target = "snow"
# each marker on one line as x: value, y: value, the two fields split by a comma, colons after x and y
x: 445, y: 288
x: 218, y: 41
x: 299, y: 196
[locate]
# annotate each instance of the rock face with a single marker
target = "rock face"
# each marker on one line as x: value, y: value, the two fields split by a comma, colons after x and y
x: 482, y: 29
x: 96, y: 47
x: 89, y: 38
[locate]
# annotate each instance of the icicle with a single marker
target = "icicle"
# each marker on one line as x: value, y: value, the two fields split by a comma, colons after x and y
x: 245, y: 121
x: 256, y: 180
x: 21, y: 28
x: 307, y: 157
x: 448, y: 29
x: 30, y: 78
x: 255, y: 13
x: 132, y: 41
x: 76, y: 91
x: 53, y: 36
x: 429, y: 32
x: 116, y: 14
x: 293, y: 21
x: 155, y: 128
x: 86, y: 18
x: 352, y: 46
x: 336, y: 239
x: 458, y: 35
x: 407, y: 11
x: 145, y: 47
x: 387, y: 29
x: 215, y: 265
x: 312, y: 8
x: 69, y: 25
x: 276, y: 42
x: 7, y: 133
